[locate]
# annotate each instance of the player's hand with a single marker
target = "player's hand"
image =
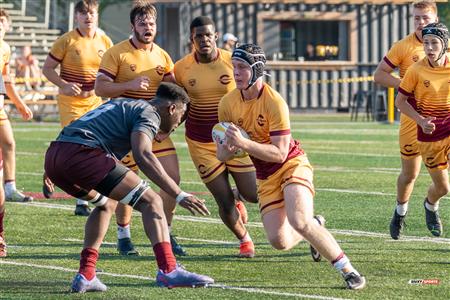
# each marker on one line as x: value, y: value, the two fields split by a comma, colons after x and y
x: 194, y: 204
x: 234, y: 136
x: 224, y: 151
x: 48, y: 185
x: 71, y: 89
x: 26, y: 112
x: 427, y: 125
x: 140, y: 83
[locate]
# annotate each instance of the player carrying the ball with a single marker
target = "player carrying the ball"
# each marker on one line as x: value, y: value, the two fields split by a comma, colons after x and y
x: 284, y: 174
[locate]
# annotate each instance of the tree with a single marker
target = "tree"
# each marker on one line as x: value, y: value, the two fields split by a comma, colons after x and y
x: 444, y: 13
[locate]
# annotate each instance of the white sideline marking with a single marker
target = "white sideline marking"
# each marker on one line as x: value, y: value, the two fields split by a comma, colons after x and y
x: 221, y: 286
x: 355, y: 154
x: 178, y: 238
x: 259, y: 224
x: 38, y: 129
x: 56, y: 268
x: 346, y: 131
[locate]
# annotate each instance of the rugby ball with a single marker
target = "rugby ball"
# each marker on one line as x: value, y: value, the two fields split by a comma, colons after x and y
x: 218, y: 132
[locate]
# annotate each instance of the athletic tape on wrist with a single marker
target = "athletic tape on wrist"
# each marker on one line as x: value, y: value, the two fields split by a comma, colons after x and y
x: 181, y: 196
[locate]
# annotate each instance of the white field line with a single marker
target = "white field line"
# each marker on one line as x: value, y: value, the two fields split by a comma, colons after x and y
x: 220, y: 286
x: 337, y: 142
x: 37, y: 129
x: 346, y: 131
x: 178, y: 238
x: 358, y: 233
x: 363, y: 154
x: 316, y: 168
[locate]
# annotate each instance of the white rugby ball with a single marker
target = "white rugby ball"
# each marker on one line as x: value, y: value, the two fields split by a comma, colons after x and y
x: 218, y: 132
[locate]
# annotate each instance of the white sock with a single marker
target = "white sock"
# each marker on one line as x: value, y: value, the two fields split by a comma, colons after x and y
x: 123, y: 231
x: 82, y: 202
x: 246, y: 238
x: 432, y: 207
x: 402, y: 209
x: 10, y: 187
x: 344, y: 263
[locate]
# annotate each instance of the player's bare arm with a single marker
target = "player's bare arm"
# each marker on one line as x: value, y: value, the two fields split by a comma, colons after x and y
x: 277, y: 151
x: 11, y: 92
x: 383, y: 75
x: 65, y: 88
x: 106, y: 87
x: 425, y: 123
x: 141, y: 146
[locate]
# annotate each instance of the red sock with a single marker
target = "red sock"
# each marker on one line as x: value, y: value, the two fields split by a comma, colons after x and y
x: 2, y: 214
x: 88, y: 261
x: 164, y: 257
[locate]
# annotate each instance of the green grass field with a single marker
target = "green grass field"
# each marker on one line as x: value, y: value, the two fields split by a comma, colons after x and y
x: 356, y: 166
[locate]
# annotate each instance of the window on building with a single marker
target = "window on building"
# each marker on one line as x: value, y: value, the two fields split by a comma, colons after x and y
x: 325, y: 37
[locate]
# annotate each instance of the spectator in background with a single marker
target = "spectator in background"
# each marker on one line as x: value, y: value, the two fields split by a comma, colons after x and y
x: 27, y: 68
x: 310, y: 53
x: 229, y: 41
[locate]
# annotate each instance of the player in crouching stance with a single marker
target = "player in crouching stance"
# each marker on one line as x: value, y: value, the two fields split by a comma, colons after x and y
x: 285, y: 187
x: 84, y: 162
x: 428, y: 81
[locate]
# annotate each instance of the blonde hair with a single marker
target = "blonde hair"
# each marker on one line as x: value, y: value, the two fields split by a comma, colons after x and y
x: 427, y: 5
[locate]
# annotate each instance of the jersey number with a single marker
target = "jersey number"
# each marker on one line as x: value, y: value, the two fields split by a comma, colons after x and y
x: 96, y: 112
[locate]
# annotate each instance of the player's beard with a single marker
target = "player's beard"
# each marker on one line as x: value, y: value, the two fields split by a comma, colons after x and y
x: 140, y: 38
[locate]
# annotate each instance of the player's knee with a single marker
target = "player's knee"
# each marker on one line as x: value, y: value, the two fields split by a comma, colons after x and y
x: 8, y: 145
x: 301, y: 225
x: 150, y: 202
x: 408, y: 177
x: 136, y: 194
x: 279, y: 243
x: 227, y: 207
x: 249, y: 196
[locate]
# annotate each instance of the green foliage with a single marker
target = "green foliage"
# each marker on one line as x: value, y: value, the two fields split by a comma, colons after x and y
x: 444, y: 13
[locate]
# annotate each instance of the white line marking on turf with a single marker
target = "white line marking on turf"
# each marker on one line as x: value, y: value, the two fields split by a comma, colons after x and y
x: 259, y: 224
x: 221, y: 286
x: 56, y: 268
x: 178, y: 238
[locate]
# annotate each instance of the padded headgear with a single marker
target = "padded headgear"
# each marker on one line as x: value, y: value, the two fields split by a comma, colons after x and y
x: 254, y: 56
x: 441, y: 32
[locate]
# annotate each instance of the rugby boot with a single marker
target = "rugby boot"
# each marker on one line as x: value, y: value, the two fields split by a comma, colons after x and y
x: 81, y: 285
x: 179, y: 277
x: 126, y: 247
x: 82, y: 210
x: 17, y: 196
x: 354, y: 281
x: 433, y: 221
x: 247, y: 249
x: 397, y: 224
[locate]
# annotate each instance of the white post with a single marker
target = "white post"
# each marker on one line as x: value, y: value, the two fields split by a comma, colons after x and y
x: 71, y: 15
x: 24, y: 7
x: 47, y: 13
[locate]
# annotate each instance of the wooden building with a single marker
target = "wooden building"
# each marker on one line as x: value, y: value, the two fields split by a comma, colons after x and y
x: 345, y: 39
